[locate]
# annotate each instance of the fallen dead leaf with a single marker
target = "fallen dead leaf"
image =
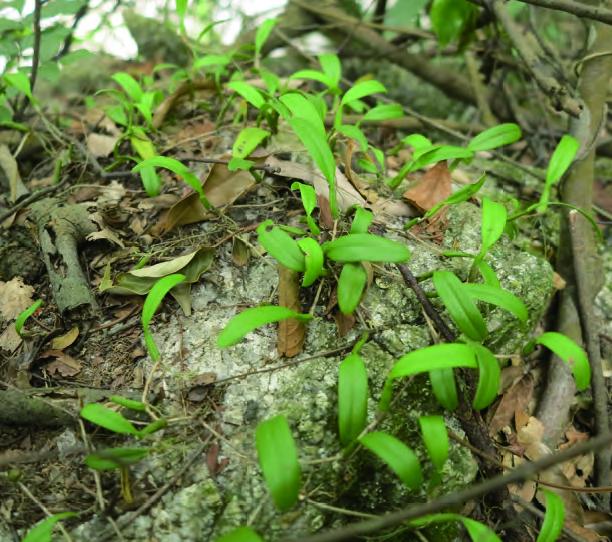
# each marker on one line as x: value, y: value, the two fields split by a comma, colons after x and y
x: 15, y: 297
x: 8, y: 164
x: 432, y: 188
x: 515, y: 399
x: 64, y: 341
x: 63, y: 364
x: 100, y: 145
x: 291, y: 332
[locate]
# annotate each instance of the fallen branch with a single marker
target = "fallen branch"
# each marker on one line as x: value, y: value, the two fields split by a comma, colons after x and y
x: 522, y: 473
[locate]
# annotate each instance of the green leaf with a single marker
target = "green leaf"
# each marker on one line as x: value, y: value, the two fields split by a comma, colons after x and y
x: 553, y: 519
x: 365, y: 247
x: 571, y: 353
x: 331, y: 67
x: 313, y: 258
x: 399, y: 457
x: 361, y: 221
x: 478, y: 531
x: 248, y: 92
x: 25, y: 314
x: 313, y: 75
x: 417, y: 141
x: 352, y: 398
x: 560, y: 161
x: 435, y: 437
x: 152, y: 303
x: 241, y: 534
x: 20, y: 81
x: 489, y: 375
x: 281, y: 246
x: 150, y: 181
x: 128, y: 403
x: 352, y: 132
x: 444, y: 387
x: 494, y: 217
x: 278, y: 460
x: 307, y: 195
x: 131, y: 87
x: 263, y: 33
x: 449, y: 19
x: 107, y: 418
x: 463, y: 194
x: 439, y: 153
x: 351, y: 283
x: 247, y: 141
x: 383, y: 112
x: 43, y: 530
x: 496, y: 136
x: 251, y: 319
x: 179, y: 169
x: 115, y: 458
x: 301, y: 107
x: 431, y: 358
x: 236, y: 164
x: 460, y: 305
x: 361, y: 90
x: 211, y: 60
x: 498, y: 297
x: 488, y: 274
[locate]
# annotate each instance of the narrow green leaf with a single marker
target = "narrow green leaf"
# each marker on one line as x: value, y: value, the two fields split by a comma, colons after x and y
x: 361, y: 90
x: 241, y: 534
x: 352, y: 398
x: 351, y: 284
x: 496, y: 136
x: 561, y: 159
x: 263, y: 33
x: 494, y: 217
x: 25, y: 314
x: 251, y: 319
x: 498, y: 297
x: 20, y: 81
x: 365, y: 247
x: 314, y: 75
x: 553, y: 519
x: 211, y: 60
x: 431, y: 358
x: 417, y: 141
x: 488, y: 274
x: 307, y: 195
x: 489, y: 375
x: 131, y: 87
x: 571, y: 353
x: 478, y: 531
x: 463, y: 194
x: 331, y: 67
x: 115, y: 458
x: 355, y: 133
x: 435, y: 437
x: 383, y: 112
x: 179, y: 169
x: 439, y: 153
x: 150, y: 181
x: 43, y: 530
x: 281, y: 246
x: 444, y: 387
x: 460, y: 305
x: 361, y: 221
x: 278, y: 460
x: 399, y: 457
x: 449, y: 19
x: 248, y: 92
x: 301, y: 107
x: 128, y: 403
x: 313, y: 258
x: 247, y: 141
x: 152, y: 302
x: 107, y: 418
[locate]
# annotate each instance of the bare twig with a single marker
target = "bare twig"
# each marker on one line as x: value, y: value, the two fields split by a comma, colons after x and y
x: 35, y: 56
x: 523, y: 472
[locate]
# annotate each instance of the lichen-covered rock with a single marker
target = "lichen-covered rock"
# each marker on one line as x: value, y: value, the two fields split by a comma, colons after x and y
x: 305, y: 390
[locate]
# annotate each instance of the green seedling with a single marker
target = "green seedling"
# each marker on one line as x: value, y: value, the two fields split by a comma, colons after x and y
x: 559, y: 163
x: 309, y: 202
x: 145, y: 149
x: 241, y: 534
x: 23, y: 316
x: 330, y: 74
x: 152, y: 303
x: 281, y: 246
x: 399, y: 457
x: 247, y: 91
x: 250, y: 319
x: 278, y: 460
x: 492, y: 226
x: 262, y: 35
x: 553, y: 518
x: 365, y: 247
x: 352, y: 398
x: 43, y: 530
x: 435, y: 437
x: 143, y: 101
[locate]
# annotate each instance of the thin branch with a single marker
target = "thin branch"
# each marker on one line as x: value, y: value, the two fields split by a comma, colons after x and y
x: 522, y: 473
x: 35, y: 56
x: 526, y: 47
x: 580, y: 9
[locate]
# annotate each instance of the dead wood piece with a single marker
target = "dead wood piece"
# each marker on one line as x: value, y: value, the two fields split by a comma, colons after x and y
x: 18, y: 408
x: 61, y: 229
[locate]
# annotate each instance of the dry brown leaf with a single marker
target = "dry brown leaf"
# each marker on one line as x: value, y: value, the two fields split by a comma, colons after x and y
x: 344, y: 322
x: 240, y: 252
x: 15, y: 297
x: 8, y: 165
x: 291, y: 332
x: 432, y: 188
x: 221, y: 186
x: 63, y: 364
x: 515, y: 399
x: 530, y: 438
x: 100, y: 145
x: 65, y: 340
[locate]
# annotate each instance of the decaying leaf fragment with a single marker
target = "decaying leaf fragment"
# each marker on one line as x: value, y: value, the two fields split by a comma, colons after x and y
x: 291, y: 332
